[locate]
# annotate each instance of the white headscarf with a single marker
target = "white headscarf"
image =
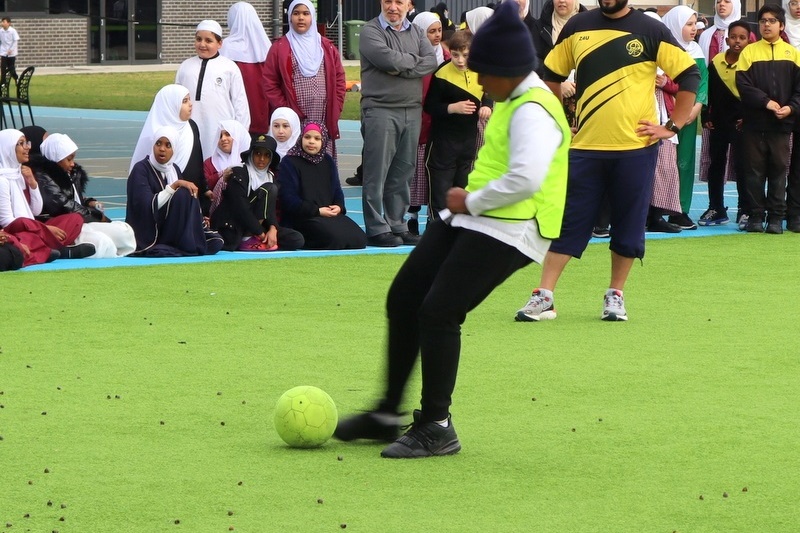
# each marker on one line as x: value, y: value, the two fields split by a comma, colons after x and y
x: 722, y: 24
x: 306, y: 47
x: 58, y: 146
x: 241, y: 141
x: 476, y: 17
x: 11, y: 170
x: 792, y: 27
x: 675, y: 19
x: 247, y: 41
x: 424, y: 21
x: 167, y: 169
x: 165, y: 111
x: 10, y: 167
x: 291, y: 117
x: 558, y: 21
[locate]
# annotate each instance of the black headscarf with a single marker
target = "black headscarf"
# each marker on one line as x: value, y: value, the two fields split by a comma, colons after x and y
x: 35, y: 134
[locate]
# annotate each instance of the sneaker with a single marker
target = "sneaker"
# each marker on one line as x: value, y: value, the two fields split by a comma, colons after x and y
x: 659, y: 225
x: 743, y: 222
x: 408, y: 238
x: 254, y: 244
x: 601, y: 232
x: 713, y: 217
x: 793, y: 224
x: 754, y: 225
x: 372, y: 425
x: 538, y: 308
x: 424, y: 439
x: 614, y: 306
x: 355, y: 181
x: 682, y: 221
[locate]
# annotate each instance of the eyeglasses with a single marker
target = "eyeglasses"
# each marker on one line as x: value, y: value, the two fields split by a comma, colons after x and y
x: 794, y: 4
x: 768, y: 21
x: 24, y: 144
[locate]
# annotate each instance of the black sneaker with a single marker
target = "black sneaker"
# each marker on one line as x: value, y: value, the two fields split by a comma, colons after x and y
x: 659, y: 225
x: 78, y: 251
x: 355, y: 181
x: 682, y: 221
x: 776, y: 228
x: 424, y: 439
x: 413, y: 226
x: 714, y: 217
x: 373, y: 425
x: 793, y: 224
x: 601, y: 232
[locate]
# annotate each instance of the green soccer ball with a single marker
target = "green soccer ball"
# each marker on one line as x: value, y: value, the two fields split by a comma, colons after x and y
x: 305, y: 417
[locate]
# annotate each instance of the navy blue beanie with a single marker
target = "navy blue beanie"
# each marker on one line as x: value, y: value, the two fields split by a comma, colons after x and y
x: 503, y: 45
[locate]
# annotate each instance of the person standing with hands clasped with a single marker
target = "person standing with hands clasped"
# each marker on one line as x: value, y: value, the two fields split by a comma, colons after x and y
x: 501, y: 222
x: 768, y: 79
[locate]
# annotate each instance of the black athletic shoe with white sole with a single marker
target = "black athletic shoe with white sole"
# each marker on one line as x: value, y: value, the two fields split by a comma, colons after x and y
x: 424, y: 439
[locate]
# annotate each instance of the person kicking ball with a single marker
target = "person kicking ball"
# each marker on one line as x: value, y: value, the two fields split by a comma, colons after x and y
x: 503, y: 221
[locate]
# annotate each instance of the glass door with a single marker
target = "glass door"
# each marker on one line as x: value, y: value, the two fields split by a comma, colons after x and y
x: 124, y: 31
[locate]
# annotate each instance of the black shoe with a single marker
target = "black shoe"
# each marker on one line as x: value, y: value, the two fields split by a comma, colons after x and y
x: 54, y: 254
x: 793, y: 224
x: 385, y: 240
x: 601, y: 232
x: 78, y: 251
x: 355, y: 181
x: 754, y: 225
x: 660, y: 225
x: 776, y: 228
x: 413, y: 226
x: 408, y: 238
x: 424, y: 439
x: 682, y: 221
x: 373, y: 425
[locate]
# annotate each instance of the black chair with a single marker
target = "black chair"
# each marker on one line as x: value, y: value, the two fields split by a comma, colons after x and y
x: 23, y: 97
x: 3, y: 97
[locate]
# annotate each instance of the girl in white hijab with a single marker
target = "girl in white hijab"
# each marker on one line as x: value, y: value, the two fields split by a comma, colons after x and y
x: 172, y: 106
x: 792, y: 26
x: 305, y: 73
x: 109, y: 238
x: 476, y: 17
x: 233, y: 140
x: 424, y: 21
x: 712, y: 40
x: 681, y: 21
x: 247, y: 45
x: 285, y: 129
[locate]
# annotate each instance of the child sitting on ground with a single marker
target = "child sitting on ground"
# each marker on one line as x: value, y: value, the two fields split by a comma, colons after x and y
x: 311, y: 196
x: 244, y: 208
x: 233, y: 140
x: 284, y: 128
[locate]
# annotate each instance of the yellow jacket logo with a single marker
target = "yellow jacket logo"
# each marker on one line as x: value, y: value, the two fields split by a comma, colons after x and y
x: 635, y: 48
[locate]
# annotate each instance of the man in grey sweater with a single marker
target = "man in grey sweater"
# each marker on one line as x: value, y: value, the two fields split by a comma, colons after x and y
x: 395, y: 55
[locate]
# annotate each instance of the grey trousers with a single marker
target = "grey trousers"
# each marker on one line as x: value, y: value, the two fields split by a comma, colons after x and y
x: 390, y: 137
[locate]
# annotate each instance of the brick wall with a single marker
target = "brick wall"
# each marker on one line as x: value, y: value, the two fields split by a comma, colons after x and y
x: 52, y: 41
x: 58, y: 41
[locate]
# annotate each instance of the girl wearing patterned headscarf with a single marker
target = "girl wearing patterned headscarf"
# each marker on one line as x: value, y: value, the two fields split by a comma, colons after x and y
x: 247, y: 45
x: 305, y: 72
x: 311, y: 196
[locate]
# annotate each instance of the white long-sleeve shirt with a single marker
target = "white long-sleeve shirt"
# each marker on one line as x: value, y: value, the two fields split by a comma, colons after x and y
x: 221, y: 96
x: 8, y: 42
x: 534, y: 137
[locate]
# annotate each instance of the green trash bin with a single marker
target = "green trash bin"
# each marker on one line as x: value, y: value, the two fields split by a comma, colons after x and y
x: 353, y: 38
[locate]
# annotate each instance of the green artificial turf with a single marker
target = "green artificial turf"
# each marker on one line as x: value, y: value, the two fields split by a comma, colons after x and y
x: 682, y: 419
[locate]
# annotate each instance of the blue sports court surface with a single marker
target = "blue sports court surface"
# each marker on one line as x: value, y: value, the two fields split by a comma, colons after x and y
x: 106, y: 140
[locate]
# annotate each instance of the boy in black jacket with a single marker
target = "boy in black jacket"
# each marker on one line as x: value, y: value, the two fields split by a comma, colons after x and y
x: 455, y: 102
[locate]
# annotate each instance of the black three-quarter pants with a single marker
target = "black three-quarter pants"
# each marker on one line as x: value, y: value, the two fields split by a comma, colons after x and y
x: 448, y: 274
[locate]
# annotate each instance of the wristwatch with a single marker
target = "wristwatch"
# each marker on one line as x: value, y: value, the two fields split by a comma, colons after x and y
x: 672, y: 126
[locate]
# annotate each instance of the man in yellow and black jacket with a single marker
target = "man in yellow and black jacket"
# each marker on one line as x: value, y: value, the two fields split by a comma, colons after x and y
x: 768, y: 79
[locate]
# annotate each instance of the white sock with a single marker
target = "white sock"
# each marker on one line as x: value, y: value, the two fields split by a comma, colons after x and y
x: 544, y: 293
x: 444, y: 423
